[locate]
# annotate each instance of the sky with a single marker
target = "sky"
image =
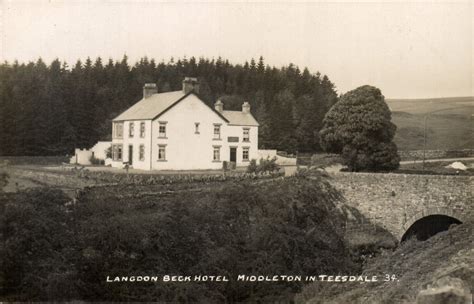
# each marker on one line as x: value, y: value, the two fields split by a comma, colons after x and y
x: 407, y: 49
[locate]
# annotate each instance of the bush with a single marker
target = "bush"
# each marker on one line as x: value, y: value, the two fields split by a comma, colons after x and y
x: 96, y: 161
x: 252, y: 167
x: 265, y: 166
x: 268, y: 165
x: 108, y: 152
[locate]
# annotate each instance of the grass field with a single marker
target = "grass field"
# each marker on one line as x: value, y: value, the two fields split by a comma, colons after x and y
x: 450, y: 124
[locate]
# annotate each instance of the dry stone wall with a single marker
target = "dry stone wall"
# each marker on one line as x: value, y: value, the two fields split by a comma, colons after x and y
x: 434, y: 154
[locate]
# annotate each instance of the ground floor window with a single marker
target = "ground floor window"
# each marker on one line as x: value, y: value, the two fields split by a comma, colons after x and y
x: 245, y: 153
x: 142, y: 152
x: 117, y: 152
x: 161, y: 152
x: 217, y: 153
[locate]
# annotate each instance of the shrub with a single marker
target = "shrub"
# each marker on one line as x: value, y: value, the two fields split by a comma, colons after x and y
x: 96, y: 161
x: 252, y: 167
x: 266, y: 165
x: 108, y: 152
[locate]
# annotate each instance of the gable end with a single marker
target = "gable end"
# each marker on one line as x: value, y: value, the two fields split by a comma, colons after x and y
x: 184, y: 97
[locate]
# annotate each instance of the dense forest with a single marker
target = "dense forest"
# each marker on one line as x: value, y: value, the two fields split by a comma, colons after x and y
x: 52, y: 109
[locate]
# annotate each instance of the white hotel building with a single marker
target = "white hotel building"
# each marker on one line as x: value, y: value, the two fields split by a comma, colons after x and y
x: 178, y: 131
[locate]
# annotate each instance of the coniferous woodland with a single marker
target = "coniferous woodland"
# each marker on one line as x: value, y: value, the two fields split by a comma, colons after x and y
x: 52, y: 109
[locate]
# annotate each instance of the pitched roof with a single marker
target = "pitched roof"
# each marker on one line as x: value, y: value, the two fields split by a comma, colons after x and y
x: 240, y: 118
x: 155, y: 105
x: 149, y: 108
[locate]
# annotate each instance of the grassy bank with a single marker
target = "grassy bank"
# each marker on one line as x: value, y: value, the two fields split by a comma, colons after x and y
x: 414, y: 264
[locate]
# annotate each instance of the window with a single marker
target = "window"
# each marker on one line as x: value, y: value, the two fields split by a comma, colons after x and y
x: 117, y: 152
x: 162, y: 130
x: 131, y: 129
x: 246, y: 136
x: 196, y: 128
x: 141, y: 152
x: 162, y: 152
x: 216, y: 156
x: 217, y: 131
x: 118, y: 128
x: 142, y: 129
x: 245, y: 153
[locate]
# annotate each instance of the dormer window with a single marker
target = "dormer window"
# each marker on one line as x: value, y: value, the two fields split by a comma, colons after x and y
x: 162, y: 130
x: 217, y: 131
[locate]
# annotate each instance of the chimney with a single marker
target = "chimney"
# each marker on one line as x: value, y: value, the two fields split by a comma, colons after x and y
x: 219, y: 106
x: 149, y: 89
x: 246, y: 108
x: 190, y: 84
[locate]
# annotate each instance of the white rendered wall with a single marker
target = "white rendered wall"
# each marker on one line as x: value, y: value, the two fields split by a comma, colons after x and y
x: 99, y: 149
x: 82, y: 157
x: 135, y: 141
x: 238, y: 131
x: 186, y: 150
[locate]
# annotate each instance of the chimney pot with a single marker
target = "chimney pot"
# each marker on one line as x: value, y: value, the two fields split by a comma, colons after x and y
x: 190, y: 84
x: 219, y: 106
x: 149, y: 89
x: 246, y: 107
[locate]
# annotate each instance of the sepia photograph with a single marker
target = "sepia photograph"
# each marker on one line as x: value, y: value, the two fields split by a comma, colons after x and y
x: 169, y: 151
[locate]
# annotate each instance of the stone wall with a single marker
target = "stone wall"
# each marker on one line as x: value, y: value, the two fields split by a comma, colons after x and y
x: 434, y: 154
x: 395, y: 201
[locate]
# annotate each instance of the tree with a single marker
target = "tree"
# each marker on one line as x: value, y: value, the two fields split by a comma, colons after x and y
x: 359, y: 127
x: 52, y: 109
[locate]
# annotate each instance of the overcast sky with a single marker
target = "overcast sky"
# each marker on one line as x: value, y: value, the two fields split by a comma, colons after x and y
x: 408, y: 50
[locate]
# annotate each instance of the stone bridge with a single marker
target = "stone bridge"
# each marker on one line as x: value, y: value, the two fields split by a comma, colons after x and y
x: 408, y: 204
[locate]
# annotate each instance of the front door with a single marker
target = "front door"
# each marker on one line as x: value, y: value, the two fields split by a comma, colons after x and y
x: 130, y: 154
x: 233, y: 154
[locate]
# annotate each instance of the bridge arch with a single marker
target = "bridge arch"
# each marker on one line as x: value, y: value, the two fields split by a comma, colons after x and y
x: 425, y: 224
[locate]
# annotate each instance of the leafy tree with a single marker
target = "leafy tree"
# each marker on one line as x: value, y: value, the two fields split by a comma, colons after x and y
x: 359, y: 127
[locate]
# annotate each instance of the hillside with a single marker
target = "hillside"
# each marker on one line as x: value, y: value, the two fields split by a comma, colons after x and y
x: 415, y: 264
x: 449, y: 126
x: 226, y: 228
